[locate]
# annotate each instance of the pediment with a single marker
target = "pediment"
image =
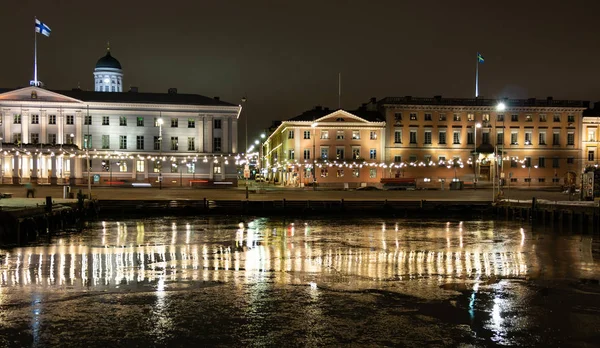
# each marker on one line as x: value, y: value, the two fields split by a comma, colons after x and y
x: 341, y: 116
x: 29, y: 94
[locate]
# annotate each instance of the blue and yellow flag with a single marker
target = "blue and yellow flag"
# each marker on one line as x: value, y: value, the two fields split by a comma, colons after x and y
x: 480, y: 58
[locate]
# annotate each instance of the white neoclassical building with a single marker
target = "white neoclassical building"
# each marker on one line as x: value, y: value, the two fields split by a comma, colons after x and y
x: 46, y: 136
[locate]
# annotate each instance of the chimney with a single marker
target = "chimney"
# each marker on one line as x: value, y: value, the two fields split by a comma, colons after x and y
x: 172, y: 90
x: 217, y: 98
x: 437, y: 98
x: 326, y: 109
x: 318, y: 108
x: 133, y: 89
x: 373, y: 100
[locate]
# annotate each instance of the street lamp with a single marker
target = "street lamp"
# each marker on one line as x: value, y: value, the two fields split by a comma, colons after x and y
x: 499, y: 108
x: 246, y: 125
x: 262, y: 154
x: 1, y: 162
x: 160, y: 123
x: 477, y: 125
x: 314, y: 127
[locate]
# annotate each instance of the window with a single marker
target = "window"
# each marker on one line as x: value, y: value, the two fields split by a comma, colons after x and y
x: 485, y: 117
x: 542, y: 162
x: 122, y: 121
x: 355, y: 152
x: 513, y: 163
x: 340, y: 135
x: 217, y: 124
x: 372, y: 173
x: 413, y: 116
x: 471, y: 117
x: 591, y: 155
x: 139, y: 142
x: 591, y: 134
x: 355, y: 135
x: 35, y: 119
x: 398, y: 137
x: 555, y: 138
x: 555, y: 162
x: 413, y: 136
x: 174, y: 143
x: 122, y: 166
x: 541, y: 179
x: 542, y: 137
x: 500, y: 118
x: 373, y: 135
x: 87, y: 141
x: 514, y: 180
x: 527, y: 180
x: 427, y: 137
x: 157, y: 166
x: 339, y: 153
x: 156, y: 122
x: 514, y: 118
x: 105, y: 120
x: 191, y: 144
x: 570, y: 160
x: 397, y: 118
x: 485, y: 138
x: 324, y: 153
x: 51, y: 119
x: 69, y: 139
x: 156, y: 143
x: 140, y: 166
x: 528, y: 162
x: 324, y: 134
x: 556, y: 118
x: 122, y: 142
x: 500, y: 138
x: 442, y: 138
x: 35, y: 138
x: 555, y: 180
x: 291, y: 154
x: 140, y: 122
x: 570, y: 138
x: 456, y: 118
x: 542, y: 118
x: 528, y: 136
x: 427, y: 117
x: 528, y: 118
x: 340, y: 173
x: 514, y: 136
x: 17, y: 119
x: 570, y: 118
x: 191, y: 168
x: 175, y: 168
x: 52, y: 138
x: 217, y: 144
x: 291, y: 134
x: 192, y: 123
x: 412, y: 159
x: 324, y: 172
x: 470, y: 138
x: 427, y: 159
x: 397, y: 159
x: 373, y: 154
x: 174, y: 122
x: 306, y: 134
x: 456, y: 137
x: 442, y: 117
x: 306, y: 154
x: 105, y: 141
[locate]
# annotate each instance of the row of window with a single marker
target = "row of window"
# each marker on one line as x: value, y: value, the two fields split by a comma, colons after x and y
x: 35, y: 119
x: 339, y: 172
x: 413, y: 116
x: 485, y: 138
x: 87, y: 138
x: 513, y: 163
x: 339, y: 134
x: 339, y: 153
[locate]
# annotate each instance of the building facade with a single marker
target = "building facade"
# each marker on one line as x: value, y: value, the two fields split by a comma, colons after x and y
x: 345, y: 147
x: 529, y: 142
x: 48, y: 136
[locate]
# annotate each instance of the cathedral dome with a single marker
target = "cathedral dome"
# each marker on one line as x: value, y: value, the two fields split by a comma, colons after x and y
x: 109, y: 62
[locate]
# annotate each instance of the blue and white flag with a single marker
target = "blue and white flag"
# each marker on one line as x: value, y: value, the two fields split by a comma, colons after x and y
x: 42, y: 28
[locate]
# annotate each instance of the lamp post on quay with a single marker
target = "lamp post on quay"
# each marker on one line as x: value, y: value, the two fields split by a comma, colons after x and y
x: 160, y: 123
x: 477, y: 125
x: 314, y: 169
x: 499, y: 108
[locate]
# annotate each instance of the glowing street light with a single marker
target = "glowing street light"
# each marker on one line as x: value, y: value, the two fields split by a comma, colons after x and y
x: 160, y: 123
x: 477, y: 125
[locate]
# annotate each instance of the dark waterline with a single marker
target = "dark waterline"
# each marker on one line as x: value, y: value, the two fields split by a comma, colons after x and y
x: 294, y: 282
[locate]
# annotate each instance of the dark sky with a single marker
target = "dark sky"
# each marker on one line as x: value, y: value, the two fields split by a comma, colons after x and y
x: 286, y: 55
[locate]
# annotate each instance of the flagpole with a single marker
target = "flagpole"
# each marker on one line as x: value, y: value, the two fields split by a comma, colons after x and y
x: 477, y: 75
x: 34, y: 54
x: 339, y: 90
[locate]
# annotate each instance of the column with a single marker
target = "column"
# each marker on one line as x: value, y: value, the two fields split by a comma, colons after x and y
x: 43, y: 127
x: 72, y: 176
x: 53, y: 180
x: 79, y: 167
x: 208, y: 136
x: 25, y: 127
x: 146, y: 164
x: 225, y: 146
x: 60, y: 129
x: 15, y: 176
x: 79, y: 129
x: 134, y: 168
x: 201, y: 127
x: 234, y: 135
x: 34, y: 167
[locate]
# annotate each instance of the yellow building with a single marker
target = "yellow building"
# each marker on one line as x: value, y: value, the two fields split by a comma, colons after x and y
x: 525, y: 142
x: 346, y: 147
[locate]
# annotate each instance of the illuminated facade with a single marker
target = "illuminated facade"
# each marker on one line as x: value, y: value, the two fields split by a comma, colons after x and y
x: 345, y: 146
x: 525, y: 141
x: 108, y: 74
x: 590, y: 132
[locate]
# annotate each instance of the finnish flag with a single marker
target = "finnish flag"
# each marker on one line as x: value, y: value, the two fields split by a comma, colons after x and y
x: 42, y: 28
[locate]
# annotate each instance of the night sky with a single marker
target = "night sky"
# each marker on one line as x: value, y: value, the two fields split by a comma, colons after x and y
x: 286, y: 55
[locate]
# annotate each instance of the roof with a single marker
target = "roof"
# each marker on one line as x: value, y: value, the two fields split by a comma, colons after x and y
x: 143, y: 98
x: 438, y: 100
x: 318, y: 112
x: 108, y: 61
